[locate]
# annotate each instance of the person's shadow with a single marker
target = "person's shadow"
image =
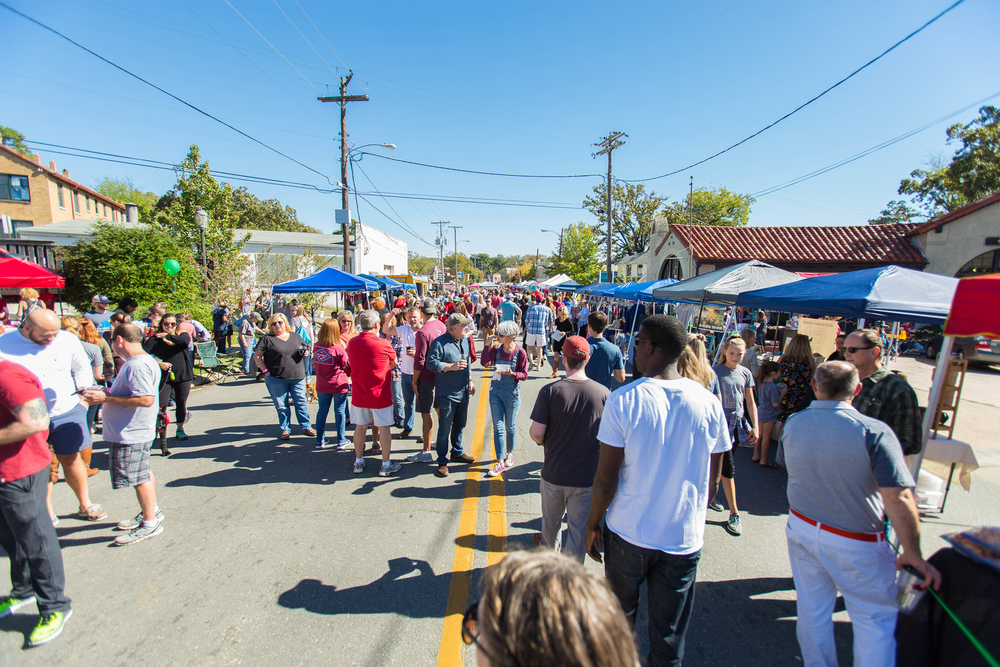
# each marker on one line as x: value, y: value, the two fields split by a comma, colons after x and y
x: 394, y: 592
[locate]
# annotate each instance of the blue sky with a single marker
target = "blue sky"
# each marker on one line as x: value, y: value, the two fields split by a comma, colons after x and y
x: 518, y: 87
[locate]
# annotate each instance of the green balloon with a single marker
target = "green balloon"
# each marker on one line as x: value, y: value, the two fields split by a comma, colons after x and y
x: 172, y: 267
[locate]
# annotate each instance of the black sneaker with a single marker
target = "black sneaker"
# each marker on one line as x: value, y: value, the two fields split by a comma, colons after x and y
x: 716, y: 506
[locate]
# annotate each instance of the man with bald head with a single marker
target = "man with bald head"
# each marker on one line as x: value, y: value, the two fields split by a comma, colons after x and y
x: 845, y: 470
x: 60, y: 363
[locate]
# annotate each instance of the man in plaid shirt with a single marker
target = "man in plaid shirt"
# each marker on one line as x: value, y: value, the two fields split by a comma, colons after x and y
x: 538, y: 324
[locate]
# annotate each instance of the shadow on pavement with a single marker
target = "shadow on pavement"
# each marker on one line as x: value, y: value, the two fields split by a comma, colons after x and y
x: 395, y: 592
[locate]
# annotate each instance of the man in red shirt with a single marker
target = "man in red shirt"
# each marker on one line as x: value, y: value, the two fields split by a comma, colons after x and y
x: 372, y: 360
x: 423, y: 379
x: 26, y: 530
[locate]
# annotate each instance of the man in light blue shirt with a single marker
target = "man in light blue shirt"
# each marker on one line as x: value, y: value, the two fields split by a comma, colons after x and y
x: 509, y: 310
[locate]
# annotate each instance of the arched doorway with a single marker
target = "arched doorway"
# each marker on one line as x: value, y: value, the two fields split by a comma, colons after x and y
x: 671, y: 269
x: 988, y: 262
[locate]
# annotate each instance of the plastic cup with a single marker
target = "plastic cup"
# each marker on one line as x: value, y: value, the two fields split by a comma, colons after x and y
x: 907, y: 597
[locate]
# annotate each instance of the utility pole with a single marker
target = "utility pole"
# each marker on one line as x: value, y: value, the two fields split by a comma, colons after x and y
x: 608, y: 144
x: 343, y: 99
x: 456, y: 228
x: 440, y: 240
x: 536, y: 263
x: 560, y: 247
x: 691, y: 203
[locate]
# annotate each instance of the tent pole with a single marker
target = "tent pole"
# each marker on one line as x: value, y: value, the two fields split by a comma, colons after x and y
x: 700, y: 309
x: 933, y: 398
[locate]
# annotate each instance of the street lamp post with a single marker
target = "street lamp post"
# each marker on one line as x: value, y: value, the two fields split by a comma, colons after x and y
x: 201, y: 219
x: 345, y: 227
x: 560, y: 243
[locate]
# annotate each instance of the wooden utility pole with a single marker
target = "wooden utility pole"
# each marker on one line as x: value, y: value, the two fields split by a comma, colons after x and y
x: 608, y: 144
x: 440, y: 241
x: 343, y: 99
x: 691, y: 203
x: 456, y: 228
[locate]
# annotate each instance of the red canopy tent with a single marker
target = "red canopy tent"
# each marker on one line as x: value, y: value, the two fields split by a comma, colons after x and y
x: 16, y: 272
x: 974, y: 308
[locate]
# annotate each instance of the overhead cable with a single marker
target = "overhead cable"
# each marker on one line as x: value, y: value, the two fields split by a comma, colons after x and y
x: 482, y: 173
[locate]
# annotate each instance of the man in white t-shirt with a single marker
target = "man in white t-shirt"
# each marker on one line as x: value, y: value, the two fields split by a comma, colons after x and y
x: 662, y: 440
x: 408, y: 335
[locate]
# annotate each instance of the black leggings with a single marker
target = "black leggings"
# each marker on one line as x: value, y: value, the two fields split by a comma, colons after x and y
x: 728, y: 464
x: 181, y: 391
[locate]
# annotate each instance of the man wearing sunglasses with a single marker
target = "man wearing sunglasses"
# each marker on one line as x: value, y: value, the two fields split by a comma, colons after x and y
x: 884, y: 395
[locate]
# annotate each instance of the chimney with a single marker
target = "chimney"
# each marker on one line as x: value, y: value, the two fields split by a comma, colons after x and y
x: 131, y: 213
x: 52, y: 165
x: 66, y: 173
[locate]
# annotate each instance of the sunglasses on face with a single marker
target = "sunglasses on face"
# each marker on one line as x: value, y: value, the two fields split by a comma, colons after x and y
x: 168, y: 324
x: 470, y: 624
x: 854, y: 350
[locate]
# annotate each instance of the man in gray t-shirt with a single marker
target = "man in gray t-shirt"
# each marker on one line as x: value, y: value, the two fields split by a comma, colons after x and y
x: 844, y: 471
x: 130, y: 427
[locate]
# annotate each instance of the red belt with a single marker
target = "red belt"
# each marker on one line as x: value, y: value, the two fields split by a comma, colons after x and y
x: 862, y: 537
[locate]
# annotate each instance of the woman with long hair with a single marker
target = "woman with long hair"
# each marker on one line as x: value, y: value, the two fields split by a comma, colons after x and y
x: 280, y: 356
x: 93, y: 350
x: 693, y: 364
x: 170, y: 348
x: 332, y: 373
x: 564, y: 328
x: 345, y: 319
x: 797, y: 366
x: 29, y: 302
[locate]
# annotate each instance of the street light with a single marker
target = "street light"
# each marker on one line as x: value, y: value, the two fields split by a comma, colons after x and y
x: 345, y: 224
x: 201, y: 219
x: 560, y: 243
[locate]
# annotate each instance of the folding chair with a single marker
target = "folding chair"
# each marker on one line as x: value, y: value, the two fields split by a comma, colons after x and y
x: 215, y: 369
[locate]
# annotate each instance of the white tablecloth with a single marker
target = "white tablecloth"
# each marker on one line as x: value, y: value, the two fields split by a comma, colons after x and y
x: 942, y: 452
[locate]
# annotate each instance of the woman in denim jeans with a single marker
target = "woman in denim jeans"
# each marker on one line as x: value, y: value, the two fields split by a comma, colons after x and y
x: 279, y: 356
x: 332, y: 373
x: 505, y: 398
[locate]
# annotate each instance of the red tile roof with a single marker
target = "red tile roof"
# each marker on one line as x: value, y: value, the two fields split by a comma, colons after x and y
x: 956, y: 214
x: 868, y: 244
x: 60, y: 177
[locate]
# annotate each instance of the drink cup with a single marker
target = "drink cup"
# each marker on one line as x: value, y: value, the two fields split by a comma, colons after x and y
x: 907, y: 597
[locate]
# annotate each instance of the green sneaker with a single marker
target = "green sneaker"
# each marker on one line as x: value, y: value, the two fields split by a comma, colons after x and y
x: 181, y: 435
x: 9, y: 605
x: 48, y: 628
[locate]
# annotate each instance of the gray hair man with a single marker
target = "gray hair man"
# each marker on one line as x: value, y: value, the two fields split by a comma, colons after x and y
x: 448, y: 358
x: 844, y: 470
x: 372, y: 360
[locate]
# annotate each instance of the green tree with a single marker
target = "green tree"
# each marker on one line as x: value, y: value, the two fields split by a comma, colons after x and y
x: 895, y: 212
x: 581, y: 254
x: 632, y: 214
x: 712, y: 206
x: 16, y: 141
x: 973, y: 173
x: 124, y: 191
x: 265, y: 214
x: 128, y: 261
x: 421, y: 266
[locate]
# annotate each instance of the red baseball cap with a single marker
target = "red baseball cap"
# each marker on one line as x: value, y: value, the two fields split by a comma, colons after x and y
x: 576, y: 347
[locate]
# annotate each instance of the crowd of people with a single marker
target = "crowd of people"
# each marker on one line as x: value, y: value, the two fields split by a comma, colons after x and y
x: 631, y: 467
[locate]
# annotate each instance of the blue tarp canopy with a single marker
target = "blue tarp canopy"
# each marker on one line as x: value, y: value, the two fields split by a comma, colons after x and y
x: 568, y: 286
x: 726, y: 285
x: 327, y: 280
x: 885, y: 293
x: 383, y: 281
x: 597, y: 289
x: 642, y: 291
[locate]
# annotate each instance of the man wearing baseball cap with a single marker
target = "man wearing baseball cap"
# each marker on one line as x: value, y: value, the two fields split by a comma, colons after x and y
x: 99, y: 313
x: 564, y: 421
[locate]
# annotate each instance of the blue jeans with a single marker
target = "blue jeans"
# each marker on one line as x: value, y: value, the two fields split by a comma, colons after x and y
x: 408, y: 398
x: 452, y: 415
x: 397, y: 400
x: 246, y: 357
x: 281, y: 391
x: 339, y: 402
x: 670, y: 583
x: 503, y: 408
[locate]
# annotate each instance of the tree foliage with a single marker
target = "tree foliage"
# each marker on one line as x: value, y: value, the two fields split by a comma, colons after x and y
x: 265, y: 214
x: 128, y: 261
x: 712, y: 206
x: 124, y: 191
x: 894, y: 212
x: 16, y: 139
x: 580, y: 258
x: 973, y: 173
x: 632, y: 213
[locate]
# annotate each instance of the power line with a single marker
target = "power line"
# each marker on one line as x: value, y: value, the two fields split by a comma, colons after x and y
x: 801, y: 106
x: 869, y: 151
x: 482, y: 173
x: 372, y: 183
x: 165, y: 92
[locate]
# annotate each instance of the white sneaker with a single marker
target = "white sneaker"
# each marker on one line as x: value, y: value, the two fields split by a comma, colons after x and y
x: 359, y: 466
x: 420, y: 457
x: 508, y: 461
x: 387, y: 470
x: 497, y: 469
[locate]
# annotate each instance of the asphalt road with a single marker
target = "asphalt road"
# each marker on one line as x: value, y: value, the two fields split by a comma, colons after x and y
x: 274, y: 553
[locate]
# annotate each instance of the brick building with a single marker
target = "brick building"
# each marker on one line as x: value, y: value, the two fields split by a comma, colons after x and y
x: 32, y: 195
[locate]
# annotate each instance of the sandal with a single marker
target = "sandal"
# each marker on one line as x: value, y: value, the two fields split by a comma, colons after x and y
x: 553, y: 376
x: 756, y: 460
x: 769, y: 464
x: 285, y: 435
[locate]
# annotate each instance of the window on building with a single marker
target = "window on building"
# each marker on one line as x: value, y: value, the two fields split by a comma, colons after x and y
x: 14, y: 188
x: 671, y: 269
x: 87, y: 200
x: 59, y: 194
x: 21, y: 224
x: 387, y: 269
x: 76, y: 201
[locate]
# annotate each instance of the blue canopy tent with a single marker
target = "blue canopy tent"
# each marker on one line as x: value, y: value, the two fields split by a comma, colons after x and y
x: 642, y: 291
x: 596, y: 289
x: 884, y: 293
x: 568, y: 286
x: 327, y: 280
x: 384, y: 282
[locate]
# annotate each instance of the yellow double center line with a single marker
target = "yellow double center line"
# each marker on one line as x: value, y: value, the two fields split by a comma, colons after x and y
x: 459, y: 592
